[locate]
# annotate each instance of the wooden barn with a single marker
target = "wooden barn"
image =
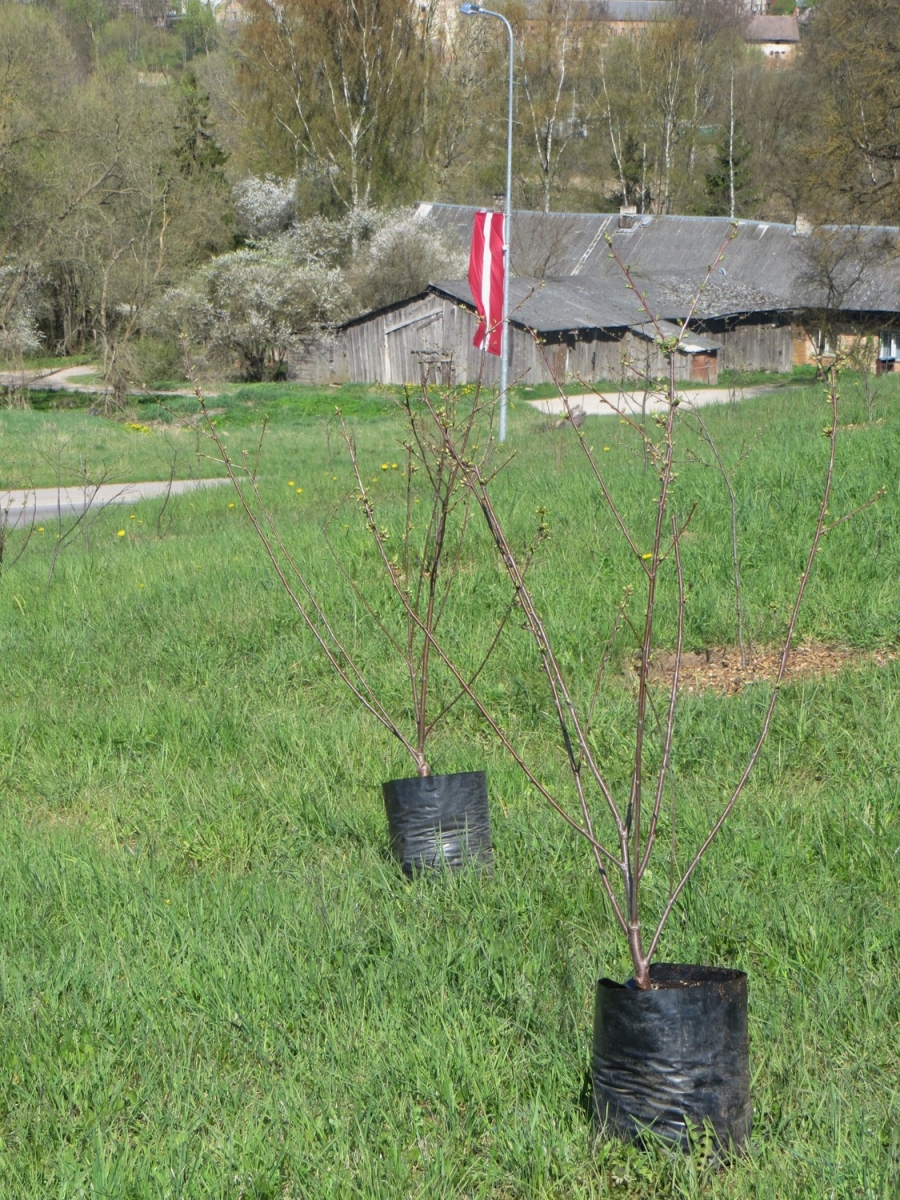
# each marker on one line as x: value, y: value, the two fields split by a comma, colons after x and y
x: 556, y: 332
x: 755, y: 296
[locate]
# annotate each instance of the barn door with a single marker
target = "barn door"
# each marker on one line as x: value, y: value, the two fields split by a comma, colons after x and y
x: 704, y: 367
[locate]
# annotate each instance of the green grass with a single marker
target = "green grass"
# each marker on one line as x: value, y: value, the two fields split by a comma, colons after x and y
x: 215, y: 983
x: 52, y: 362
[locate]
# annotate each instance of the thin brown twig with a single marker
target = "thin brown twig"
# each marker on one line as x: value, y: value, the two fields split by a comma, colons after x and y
x: 673, y: 696
x: 873, y: 499
x: 310, y: 611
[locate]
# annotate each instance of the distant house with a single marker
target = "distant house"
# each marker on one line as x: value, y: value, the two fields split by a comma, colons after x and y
x: 779, y: 295
x: 618, y: 17
x: 777, y: 37
x: 230, y: 14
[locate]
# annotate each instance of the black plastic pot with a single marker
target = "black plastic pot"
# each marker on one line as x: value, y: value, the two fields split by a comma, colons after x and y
x: 439, y: 821
x: 674, y: 1058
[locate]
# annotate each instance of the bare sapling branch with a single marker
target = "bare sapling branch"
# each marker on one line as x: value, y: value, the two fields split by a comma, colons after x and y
x: 10, y: 519
x: 565, y: 708
x: 636, y: 831
x: 75, y: 521
x: 421, y: 573
x: 292, y: 579
x: 673, y: 698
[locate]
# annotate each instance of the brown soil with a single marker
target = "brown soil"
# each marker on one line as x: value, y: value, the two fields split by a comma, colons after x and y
x: 720, y: 668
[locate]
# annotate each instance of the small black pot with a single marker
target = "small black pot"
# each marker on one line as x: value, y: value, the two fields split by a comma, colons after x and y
x: 438, y: 821
x: 675, y: 1057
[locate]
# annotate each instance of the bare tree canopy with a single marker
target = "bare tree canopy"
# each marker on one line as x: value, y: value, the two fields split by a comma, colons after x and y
x: 333, y: 87
x: 852, y: 114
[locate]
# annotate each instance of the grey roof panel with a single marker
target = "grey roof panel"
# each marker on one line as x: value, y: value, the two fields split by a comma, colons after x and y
x: 756, y: 265
x: 765, y: 28
x: 556, y: 306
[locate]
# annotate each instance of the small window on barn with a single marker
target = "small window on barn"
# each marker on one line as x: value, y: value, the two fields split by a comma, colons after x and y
x: 887, y: 346
x: 822, y: 344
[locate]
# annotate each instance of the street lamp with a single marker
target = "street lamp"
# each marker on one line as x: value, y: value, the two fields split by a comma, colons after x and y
x: 475, y: 10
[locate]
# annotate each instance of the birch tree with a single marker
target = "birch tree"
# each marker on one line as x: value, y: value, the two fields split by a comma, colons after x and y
x: 334, y: 86
x: 553, y: 44
x: 851, y: 146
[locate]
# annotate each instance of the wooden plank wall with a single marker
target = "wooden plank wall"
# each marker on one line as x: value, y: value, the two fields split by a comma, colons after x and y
x: 435, y: 334
x: 316, y: 359
x: 762, y: 345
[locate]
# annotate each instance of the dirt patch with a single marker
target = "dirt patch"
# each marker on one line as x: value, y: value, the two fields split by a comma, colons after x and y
x: 720, y: 668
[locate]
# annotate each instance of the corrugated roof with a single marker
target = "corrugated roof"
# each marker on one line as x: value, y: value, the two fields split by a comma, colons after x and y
x: 562, y: 305
x: 543, y: 244
x: 764, y: 266
x: 634, y: 10
x: 772, y: 29
x: 609, y: 10
x: 558, y: 305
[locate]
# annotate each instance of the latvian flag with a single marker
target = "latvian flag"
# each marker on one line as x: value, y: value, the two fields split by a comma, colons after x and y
x: 486, y: 278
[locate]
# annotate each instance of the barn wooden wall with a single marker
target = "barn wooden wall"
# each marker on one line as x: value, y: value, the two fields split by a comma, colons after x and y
x: 763, y: 344
x: 434, y: 335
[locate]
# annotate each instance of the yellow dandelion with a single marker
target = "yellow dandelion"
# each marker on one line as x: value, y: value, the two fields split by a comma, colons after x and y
x: 384, y: 466
x: 140, y: 585
x: 231, y: 505
x: 606, y: 449
x: 290, y: 483
x: 334, y: 477
x: 646, y: 556
x: 121, y: 533
x: 393, y: 466
x: 132, y: 517
x: 299, y: 490
x: 40, y: 529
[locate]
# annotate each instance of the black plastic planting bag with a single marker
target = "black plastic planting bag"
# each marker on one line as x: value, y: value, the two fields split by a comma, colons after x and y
x: 439, y: 820
x: 675, y: 1057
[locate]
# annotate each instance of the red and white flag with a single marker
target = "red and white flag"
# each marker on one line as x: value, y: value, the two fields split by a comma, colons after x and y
x: 486, y: 278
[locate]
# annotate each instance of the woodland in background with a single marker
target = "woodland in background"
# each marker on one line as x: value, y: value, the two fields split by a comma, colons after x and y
x: 153, y: 177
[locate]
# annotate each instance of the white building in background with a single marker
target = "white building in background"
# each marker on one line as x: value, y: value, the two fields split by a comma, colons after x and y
x: 777, y: 37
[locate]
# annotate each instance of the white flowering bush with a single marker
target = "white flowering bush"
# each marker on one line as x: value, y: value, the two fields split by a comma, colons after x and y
x: 19, y: 333
x: 402, y: 253
x: 264, y: 207
x: 243, y: 308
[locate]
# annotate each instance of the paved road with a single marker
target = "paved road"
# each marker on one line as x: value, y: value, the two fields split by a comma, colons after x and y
x: 608, y: 403
x: 67, y: 380
x: 41, y: 504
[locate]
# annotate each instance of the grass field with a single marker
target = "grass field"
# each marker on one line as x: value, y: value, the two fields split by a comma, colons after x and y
x: 214, y: 981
